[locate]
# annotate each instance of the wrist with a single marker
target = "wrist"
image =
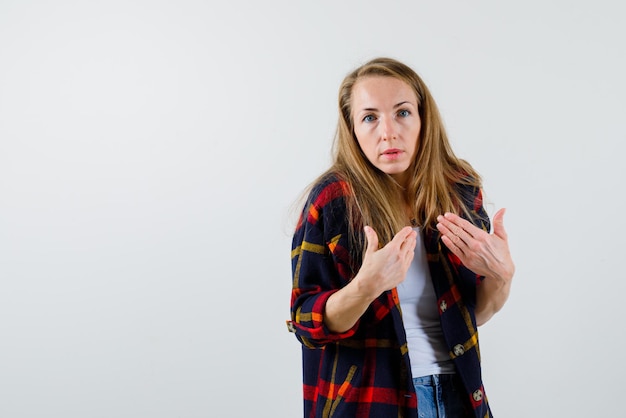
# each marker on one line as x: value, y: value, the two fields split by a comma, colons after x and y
x: 364, y: 288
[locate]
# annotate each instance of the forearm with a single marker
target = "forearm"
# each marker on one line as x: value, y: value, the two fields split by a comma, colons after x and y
x: 491, y: 295
x: 346, y: 306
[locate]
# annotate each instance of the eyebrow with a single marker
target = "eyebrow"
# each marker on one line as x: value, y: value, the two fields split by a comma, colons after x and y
x: 372, y: 109
x: 401, y: 103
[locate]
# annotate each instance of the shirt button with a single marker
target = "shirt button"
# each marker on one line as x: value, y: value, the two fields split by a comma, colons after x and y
x: 478, y: 395
x: 458, y: 350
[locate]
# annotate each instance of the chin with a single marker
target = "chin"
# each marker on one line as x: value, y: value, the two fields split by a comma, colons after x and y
x: 396, y: 171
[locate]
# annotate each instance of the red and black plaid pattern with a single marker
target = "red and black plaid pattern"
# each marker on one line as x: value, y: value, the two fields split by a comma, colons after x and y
x: 365, y: 371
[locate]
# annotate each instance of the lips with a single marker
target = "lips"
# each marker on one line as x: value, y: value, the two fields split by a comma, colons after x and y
x: 392, y: 153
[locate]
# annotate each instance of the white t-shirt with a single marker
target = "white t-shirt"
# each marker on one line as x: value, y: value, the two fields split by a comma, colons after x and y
x: 427, y: 348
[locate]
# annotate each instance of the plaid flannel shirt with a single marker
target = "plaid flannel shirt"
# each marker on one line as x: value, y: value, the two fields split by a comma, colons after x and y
x: 365, y: 371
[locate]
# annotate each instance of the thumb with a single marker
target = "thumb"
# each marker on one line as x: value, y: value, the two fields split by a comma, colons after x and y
x: 498, y: 224
x: 372, y: 239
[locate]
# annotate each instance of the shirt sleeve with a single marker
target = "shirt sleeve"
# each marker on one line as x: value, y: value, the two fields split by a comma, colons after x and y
x: 320, y: 264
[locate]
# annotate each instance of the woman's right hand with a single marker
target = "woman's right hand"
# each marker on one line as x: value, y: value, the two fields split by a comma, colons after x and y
x: 382, y: 269
x: 385, y: 268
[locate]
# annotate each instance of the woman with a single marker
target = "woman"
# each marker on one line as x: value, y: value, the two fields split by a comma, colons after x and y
x: 393, y: 264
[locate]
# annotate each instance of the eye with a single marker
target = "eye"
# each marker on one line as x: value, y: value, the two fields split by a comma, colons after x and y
x: 404, y: 113
x: 369, y: 118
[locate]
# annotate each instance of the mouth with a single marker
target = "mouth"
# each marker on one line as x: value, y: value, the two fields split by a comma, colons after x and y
x: 392, y: 153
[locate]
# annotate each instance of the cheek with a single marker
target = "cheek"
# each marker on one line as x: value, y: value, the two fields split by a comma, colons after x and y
x: 368, y: 149
x: 361, y: 141
x: 416, y: 135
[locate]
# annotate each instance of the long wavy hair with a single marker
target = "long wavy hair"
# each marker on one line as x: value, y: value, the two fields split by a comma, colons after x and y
x: 377, y: 199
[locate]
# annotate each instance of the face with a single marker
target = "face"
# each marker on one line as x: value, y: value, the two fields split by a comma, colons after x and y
x: 386, y: 123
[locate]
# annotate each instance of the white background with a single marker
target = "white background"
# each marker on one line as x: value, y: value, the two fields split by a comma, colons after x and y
x: 150, y: 153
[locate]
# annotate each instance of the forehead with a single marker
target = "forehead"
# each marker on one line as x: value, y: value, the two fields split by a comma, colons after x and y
x: 378, y: 91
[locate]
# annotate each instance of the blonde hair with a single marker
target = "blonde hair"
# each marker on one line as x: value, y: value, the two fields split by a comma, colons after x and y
x: 377, y: 199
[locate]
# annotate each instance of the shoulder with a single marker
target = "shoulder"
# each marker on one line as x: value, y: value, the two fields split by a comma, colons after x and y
x: 469, y: 189
x: 327, y: 196
x: 470, y: 192
x: 326, y: 200
x: 327, y: 189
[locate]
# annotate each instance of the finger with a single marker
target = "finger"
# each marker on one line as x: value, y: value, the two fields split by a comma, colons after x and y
x: 409, y: 242
x: 456, y: 250
x: 372, y: 239
x: 408, y: 249
x: 498, y: 224
x: 451, y: 223
x: 402, y: 235
x: 463, y: 224
x: 456, y: 234
x: 408, y: 260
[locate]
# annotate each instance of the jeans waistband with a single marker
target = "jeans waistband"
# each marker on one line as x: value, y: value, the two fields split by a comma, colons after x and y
x: 433, y: 379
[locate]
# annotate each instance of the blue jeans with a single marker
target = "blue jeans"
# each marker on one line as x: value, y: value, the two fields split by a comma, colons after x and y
x: 439, y: 396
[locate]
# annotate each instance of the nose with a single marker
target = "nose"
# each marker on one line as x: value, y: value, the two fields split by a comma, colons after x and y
x: 388, y: 129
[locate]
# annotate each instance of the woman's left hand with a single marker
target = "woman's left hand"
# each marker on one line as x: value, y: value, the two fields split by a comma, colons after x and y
x: 485, y: 254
